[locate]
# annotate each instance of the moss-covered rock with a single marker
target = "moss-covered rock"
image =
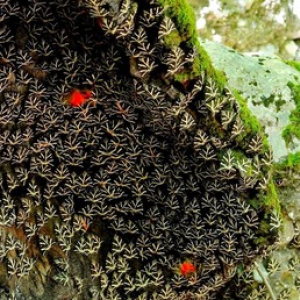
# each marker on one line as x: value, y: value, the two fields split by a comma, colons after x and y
x: 271, y: 88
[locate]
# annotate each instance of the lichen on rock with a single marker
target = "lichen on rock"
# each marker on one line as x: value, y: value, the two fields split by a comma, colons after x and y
x: 267, y: 85
x: 158, y: 164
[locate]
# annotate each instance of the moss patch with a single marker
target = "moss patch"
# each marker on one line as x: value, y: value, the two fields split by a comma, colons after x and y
x: 272, y: 200
x: 293, y: 128
x: 173, y: 39
x: 284, y: 172
x: 269, y: 200
x: 294, y: 64
x: 251, y: 124
x: 183, y: 13
x: 184, y: 18
x: 267, y: 101
x: 271, y: 203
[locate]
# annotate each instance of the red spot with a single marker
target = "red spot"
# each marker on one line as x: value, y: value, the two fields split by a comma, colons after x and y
x: 78, y: 98
x: 187, y: 268
x: 100, y: 23
x: 85, y: 225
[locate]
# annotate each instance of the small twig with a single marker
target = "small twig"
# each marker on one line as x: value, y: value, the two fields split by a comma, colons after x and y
x: 266, y: 281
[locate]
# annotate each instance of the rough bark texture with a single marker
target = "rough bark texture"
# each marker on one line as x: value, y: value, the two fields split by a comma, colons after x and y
x: 159, y: 165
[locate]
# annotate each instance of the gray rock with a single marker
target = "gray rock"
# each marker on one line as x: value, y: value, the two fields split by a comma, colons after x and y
x: 262, y: 81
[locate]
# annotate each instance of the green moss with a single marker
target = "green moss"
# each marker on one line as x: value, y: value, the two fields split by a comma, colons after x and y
x: 220, y: 79
x: 182, y: 12
x: 292, y: 162
x: 261, y: 241
x: 286, y: 169
x: 269, y: 200
x: 185, y: 21
x: 294, y: 64
x: 250, y: 123
x: 271, y: 203
x: 279, y: 103
x: 251, y: 126
x: 293, y: 128
x: 173, y: 39
x: 287, y: 135
x: 267, y: 101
